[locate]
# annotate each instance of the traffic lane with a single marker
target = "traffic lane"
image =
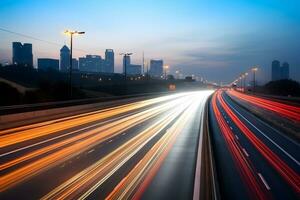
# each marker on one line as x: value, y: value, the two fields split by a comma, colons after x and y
x: 229, y: 179
x: 70, y: 167
x: 140, y: 177
x: 17, y: 150
x: 268, y: 176
x: 108, y: 186
x: 75, y: 133
x: 84, y: 184
x: 286, y: 148
x: 69, y: 151
x: 175, y: 177
x: 20, y: 134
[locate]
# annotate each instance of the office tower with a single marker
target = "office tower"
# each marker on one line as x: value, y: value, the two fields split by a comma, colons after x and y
x: 285, y: 71
x: 75, y: 64
x: 91, y: 63
x: 134, y: 69
x: 126, y: 61
x: 22, y: 54
x: 48, y: 63
x: 27, y: 54
x: 156, y: 68
x: 109, y: 61
x: 64, y: 58
x: 276, y: 71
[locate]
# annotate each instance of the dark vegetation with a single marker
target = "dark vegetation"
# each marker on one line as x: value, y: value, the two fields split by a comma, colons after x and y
x: 51, y: 85
x: 283, y: 87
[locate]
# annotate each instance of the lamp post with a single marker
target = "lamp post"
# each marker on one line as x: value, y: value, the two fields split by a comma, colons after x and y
x: 254, y: 69
x: 241, y: 82
x: 245, y: 82
x: 125, y: 63
x: 71, y: 33
x: 166, y: 68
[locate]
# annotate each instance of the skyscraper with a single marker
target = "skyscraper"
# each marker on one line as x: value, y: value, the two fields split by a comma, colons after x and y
x: 109, y: 61
x: 285, y: 71
x: 126, y: 62
x: 22, y: 54
x: 64, y: 58
x: 276, y: 71
x: 156, y: 68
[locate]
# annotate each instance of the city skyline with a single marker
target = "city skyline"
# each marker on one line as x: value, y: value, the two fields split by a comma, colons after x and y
x: 203, y: 44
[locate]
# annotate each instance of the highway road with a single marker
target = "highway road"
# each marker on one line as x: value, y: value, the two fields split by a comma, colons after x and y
x: 146, y: 149
x: 253, y: 159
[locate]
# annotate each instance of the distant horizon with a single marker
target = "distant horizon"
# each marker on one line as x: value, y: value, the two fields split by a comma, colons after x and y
x: 216, y: 40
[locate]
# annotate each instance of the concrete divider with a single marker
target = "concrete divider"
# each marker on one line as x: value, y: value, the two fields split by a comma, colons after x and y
x: 205, y: 185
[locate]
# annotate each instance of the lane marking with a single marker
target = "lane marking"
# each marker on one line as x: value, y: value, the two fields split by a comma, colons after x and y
x: 264, y: 181
x: 279, y: 147
x: 90, y: 151
x: 230, y: 127
x: 109, y: 141
x: 236, y: 137
x: 245, y: 152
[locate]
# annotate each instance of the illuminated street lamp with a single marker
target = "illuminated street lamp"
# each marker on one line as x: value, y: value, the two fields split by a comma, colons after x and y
x: 254, y: 69
x: 71, y: 33
x: 166, y: 67
x: 125, y: 63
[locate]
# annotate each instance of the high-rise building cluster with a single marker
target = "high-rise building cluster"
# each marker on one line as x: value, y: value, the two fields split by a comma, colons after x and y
x: 89, y: 63
x: 280, y: 72
x: 22, y: 54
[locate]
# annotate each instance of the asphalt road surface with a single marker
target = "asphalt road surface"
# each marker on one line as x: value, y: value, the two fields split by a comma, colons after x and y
x: 253, y: 159
x: 145, y: 149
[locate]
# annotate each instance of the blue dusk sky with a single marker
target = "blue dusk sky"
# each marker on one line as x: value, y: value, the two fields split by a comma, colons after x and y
x: 216, y: 39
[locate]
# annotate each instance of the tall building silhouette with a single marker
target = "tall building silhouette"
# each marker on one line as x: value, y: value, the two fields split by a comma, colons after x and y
x: 126, y: 62
x: 64, y: 58
x: 276, y: 71
x: 22, y: 54
x: 109, y: 61
x: 285, y: 71
x: 156, y: 68
x: 280, y: 72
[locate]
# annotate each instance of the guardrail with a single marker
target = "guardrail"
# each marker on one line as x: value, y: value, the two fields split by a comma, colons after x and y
x: 4, y: 110
x: 205, y: 185
x: 40, y: 114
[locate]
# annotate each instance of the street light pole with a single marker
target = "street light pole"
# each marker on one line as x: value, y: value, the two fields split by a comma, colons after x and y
x: 71, y: 66
x: 254, y: 69
x: 245, y: 86
x: 166, y: 67
x: 71, y: 33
